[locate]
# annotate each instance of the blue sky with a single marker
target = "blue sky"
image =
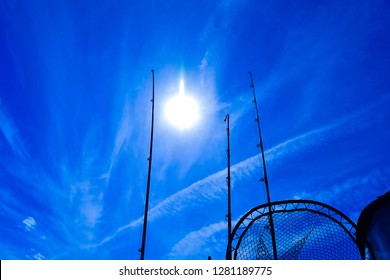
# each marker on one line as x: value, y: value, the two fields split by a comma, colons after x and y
x: 75, y: 90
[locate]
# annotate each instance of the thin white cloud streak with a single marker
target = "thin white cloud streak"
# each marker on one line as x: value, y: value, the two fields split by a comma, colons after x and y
x: 122, y: 137
x: 203, y: 68
x: 11, y: 134
x: 213, y: 186
x: 197, y: 242
x: 133, y: 224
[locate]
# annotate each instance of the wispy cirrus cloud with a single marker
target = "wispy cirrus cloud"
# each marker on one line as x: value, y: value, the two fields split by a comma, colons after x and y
x: 203, y: 68
x: 213, y: 186
x: 11, y: 134
x: 20, y: 163
x: 87, y: 197
x: 78, y: 190
x: 88, y: 183
x: 122, y: 135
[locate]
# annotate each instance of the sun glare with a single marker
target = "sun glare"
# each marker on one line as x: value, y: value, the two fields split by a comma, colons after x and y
x: 182, y: 110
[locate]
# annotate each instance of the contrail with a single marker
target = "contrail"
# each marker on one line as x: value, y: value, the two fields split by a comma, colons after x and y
x: 213, y: 185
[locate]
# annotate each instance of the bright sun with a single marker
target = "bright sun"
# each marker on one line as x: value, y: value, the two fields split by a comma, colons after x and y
x: 182, y: 111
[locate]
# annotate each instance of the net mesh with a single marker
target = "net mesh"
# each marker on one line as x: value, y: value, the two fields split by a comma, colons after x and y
x: 304, y: 230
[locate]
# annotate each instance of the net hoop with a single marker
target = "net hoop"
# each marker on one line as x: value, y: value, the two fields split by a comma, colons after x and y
x: 319, y: 212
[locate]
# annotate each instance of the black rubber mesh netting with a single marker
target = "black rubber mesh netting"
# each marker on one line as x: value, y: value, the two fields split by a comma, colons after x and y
x: 300, y: 234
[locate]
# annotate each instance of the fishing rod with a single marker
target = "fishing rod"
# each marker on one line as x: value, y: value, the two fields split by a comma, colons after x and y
x: 142, y: 250
x: 229, y: 215
x: 265, y: 178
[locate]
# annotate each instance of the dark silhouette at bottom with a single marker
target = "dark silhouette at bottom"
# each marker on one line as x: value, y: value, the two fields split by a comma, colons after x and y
x: 373, y: 228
